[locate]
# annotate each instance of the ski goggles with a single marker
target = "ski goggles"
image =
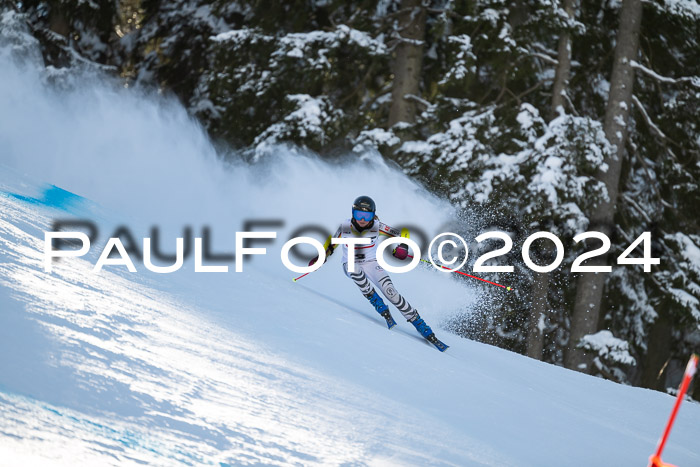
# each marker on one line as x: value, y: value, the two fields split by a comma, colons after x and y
x: 362, y: 215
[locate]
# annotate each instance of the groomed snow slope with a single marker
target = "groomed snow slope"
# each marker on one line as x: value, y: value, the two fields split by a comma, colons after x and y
x: 250, y: 368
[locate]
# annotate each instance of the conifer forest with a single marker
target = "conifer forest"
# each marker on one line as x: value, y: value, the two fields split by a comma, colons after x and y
x: 561, y: 116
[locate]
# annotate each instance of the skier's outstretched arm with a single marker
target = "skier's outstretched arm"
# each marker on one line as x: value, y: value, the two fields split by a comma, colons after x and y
x: 328, y: 246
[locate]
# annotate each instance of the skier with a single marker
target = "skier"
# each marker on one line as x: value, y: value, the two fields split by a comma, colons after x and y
x: 365, y: 223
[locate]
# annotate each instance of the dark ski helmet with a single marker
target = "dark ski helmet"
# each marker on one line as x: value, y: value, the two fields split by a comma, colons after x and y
x: 363, y: 209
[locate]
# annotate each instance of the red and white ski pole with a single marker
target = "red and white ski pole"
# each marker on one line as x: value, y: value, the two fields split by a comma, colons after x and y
x: 297, y: 278
x: 303, y: 275
x: 655, y: 460
x: 468, y: 275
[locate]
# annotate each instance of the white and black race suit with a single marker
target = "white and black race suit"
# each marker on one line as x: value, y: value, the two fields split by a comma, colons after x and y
x: 367, y: 269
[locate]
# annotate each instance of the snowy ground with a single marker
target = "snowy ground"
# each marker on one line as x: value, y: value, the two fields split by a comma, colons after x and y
x: 250, y: 368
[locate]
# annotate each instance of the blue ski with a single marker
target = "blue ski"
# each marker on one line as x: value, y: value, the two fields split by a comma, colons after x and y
x: 441, y: 346
x: 389, y: 319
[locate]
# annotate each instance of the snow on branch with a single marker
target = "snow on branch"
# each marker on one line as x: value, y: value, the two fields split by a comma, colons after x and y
x: 608, y: 347
x: 405, y: 40
x: 298, y: 44
x: 692, y: 80
x: 648, y: 119
x: 690, y: 250
x: 421, y: 101
x: 374, y: 139
x: 545, y: 58
x: 687, y: 9
x: 637, y: 207
x: 464, y: 59
x: 569, y: 102
x: 311, y: 122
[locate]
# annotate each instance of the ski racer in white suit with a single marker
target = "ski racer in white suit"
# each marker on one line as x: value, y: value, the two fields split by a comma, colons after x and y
x: 365, y: 224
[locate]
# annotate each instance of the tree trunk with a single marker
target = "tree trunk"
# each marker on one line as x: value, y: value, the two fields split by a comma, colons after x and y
x: 58, y: 22
x: 540, y: 287
x: 658, y: 353
x: 561, y: 76
x: 540, y: 301
x: 408, y: 61
x: 589, y: 292
x: 535, y: 334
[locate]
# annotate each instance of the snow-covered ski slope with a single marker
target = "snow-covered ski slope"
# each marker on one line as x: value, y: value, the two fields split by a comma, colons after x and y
x: 250, y: 368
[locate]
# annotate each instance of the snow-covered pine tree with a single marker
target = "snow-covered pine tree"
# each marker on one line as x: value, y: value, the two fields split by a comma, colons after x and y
x: 171, y: 48
x: 306, y: 87
x: 257, y: 73
x: 657, y: 312
x: 75, y: 33
x: 16, y: 40
x: 498, y: 153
